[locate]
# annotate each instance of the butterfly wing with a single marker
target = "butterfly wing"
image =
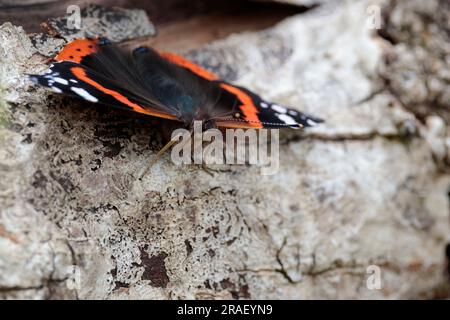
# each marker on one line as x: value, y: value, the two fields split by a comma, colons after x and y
x: 97, y: 71
x: 238, y: 107
x: 251, y: 111
x: 161, y: 84
x: 78, y: 81
x: 189, y: 65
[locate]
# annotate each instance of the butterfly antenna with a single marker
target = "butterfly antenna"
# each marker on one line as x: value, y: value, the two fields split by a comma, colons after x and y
x: 159, y: 154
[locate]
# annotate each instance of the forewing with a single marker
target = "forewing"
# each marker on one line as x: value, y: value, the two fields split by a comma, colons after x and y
x: 98, y: 71
x: 248, y: 110
x: 238, y: 107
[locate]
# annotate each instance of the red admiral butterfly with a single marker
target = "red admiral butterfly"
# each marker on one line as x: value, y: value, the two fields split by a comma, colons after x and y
x: 161, y: 84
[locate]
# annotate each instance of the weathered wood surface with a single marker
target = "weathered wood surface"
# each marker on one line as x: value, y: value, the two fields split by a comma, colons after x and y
x: 367, y: 188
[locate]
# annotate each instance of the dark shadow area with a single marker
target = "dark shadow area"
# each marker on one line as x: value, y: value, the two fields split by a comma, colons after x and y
x: 260, y: 14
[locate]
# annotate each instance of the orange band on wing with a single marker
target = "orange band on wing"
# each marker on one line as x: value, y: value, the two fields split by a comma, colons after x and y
x: 248, y: 107
x: 185, y: 63
x: 77, y: 49
x: 233, y: 124
x: 80, y: 73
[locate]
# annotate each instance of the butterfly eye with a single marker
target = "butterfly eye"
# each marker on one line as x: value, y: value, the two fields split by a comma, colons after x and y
x: 141, y: 50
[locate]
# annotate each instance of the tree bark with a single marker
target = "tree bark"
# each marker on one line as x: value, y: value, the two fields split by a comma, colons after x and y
x: 358, y: 199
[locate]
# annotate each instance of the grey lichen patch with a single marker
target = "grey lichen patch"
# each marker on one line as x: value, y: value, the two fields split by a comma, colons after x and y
x: 275, y: 49
x: 270, y: 49
x: 417, y: 67
x: 47, y: 45
x: 5, y: 116
x: 116, y: 24
x: 218, y: 60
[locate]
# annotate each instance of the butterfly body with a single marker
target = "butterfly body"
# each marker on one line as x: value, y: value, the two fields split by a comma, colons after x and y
x: 163, y: 85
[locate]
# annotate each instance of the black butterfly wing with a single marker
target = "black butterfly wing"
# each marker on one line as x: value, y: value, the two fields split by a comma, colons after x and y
x: 78, y: 81
x: 163, y: 85
x: 250, y: 111
x: 232, y: 106
x: 98, y: 71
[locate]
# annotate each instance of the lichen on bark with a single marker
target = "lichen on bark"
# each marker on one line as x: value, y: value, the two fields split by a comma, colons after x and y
x: 366, y: 188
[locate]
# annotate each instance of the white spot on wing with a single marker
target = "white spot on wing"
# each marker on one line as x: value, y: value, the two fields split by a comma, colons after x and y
x: 286, y: 119
x: 84, y: 94
x: 55, y: 89
x: 73, y: 80
x: 264, y: 105
x: 61, y: 80
x: 311, y: 122
x: 278, y: 108
x: 293, y: 113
